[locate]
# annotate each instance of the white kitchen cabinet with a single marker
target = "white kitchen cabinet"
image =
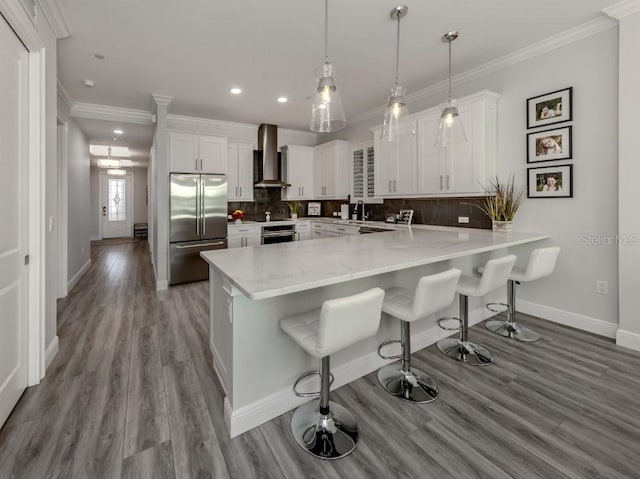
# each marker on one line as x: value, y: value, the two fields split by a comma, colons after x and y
x: 297, y: 170
x: 396, y: 164
x: 303, y: 230
x: 331, y: 174
x: 243, y: 235
x: 363, y: 173
x: 240, y: 171
x: 464, y: 168
x: 190, y: 153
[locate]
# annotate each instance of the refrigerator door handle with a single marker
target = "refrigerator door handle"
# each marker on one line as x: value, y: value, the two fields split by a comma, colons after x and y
x: 198, y: 207
x: 203, y: 213
x: 200, y: 245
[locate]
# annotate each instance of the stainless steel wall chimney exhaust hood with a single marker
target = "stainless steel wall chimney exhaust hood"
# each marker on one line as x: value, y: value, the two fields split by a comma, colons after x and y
x: 266, y: 167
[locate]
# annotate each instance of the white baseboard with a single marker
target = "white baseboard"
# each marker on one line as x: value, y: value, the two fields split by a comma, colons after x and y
x: 76, y: 277
x: 578, y: 321
x: 628, y: 339
x: 95, y: 238
x: 162, y: 285
x: 247, y: 417
x: 51, y: 352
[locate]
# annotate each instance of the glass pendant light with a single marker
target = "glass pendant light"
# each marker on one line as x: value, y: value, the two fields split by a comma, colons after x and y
x: 450, y: 130
x: 327, y: 114
x: 395, y: 116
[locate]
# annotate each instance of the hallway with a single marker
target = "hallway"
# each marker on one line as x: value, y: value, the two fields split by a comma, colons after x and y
x: 132, y: 394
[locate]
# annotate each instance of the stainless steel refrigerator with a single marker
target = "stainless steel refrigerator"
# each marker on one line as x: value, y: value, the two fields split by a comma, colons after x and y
x: 198, y: 207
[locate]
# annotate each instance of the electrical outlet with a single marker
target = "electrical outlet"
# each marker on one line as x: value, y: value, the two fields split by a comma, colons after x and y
x: 602, y: 287
x: 463, y: 219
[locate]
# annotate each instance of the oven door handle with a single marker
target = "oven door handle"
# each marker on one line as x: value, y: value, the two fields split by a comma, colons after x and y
x: 278, y: 234
x: 201, y: 245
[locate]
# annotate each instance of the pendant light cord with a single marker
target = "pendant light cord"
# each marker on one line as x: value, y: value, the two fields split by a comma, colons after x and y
x: 450, y: 71
x: 398, y: 48
x: 326, y: 31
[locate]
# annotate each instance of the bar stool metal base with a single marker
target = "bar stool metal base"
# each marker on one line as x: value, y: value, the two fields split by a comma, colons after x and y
x: 414, y: 386
x: 471, y: 353
x: 511, y: 330
x: 326, y: 437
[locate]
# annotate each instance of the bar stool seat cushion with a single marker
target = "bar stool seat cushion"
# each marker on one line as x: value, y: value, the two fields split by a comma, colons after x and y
x: 542, y: 262
x: 432, y: 294
x: 494, y: 274
x: 339, y: 323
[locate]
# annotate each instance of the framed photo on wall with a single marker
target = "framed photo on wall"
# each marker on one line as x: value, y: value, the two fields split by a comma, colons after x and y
x: 554, y: 107
x: 550, y: 182
x: 549, y: 145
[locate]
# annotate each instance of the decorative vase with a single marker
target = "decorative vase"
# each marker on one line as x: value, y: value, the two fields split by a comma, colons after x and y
x: 501, y: 226
x: 294, y: 216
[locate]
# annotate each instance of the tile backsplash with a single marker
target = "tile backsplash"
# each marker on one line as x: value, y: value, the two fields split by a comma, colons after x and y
x: 427, y: 211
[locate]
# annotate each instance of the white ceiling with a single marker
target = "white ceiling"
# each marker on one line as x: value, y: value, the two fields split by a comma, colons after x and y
x: 195, y: 50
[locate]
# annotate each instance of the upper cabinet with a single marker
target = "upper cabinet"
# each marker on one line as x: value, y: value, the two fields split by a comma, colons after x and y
x: 297, y: 170
x: 396, y: 164
x: 463, y: 168
x: 189, y: 153
x: 240, y: 171
x: 363, y: 173
x: 331, y: 170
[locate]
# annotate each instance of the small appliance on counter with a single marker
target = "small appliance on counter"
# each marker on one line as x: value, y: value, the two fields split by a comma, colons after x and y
x: 390, y: 218
x: 313, y: 209
x: 405, y: 217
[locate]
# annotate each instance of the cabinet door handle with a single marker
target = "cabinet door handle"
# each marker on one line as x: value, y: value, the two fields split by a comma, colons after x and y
x: 241, y: 191
x: 196, y: 164
x: 389, y: 186
x: 447, y: 181
x: 303, y: 191
x: 441, y: 182
x: 200, y: 164
x: 394, y: 186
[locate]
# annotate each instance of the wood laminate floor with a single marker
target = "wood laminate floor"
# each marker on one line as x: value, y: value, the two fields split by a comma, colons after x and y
x: 132, y: 394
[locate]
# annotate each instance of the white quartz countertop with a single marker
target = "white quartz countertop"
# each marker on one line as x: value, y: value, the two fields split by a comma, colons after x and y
x: 267, y: 271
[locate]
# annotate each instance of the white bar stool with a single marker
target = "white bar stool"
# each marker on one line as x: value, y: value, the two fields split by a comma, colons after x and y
x: 433, y: 293
x: 321, y: 427
x: 541, y: 263
x: 496, y: 272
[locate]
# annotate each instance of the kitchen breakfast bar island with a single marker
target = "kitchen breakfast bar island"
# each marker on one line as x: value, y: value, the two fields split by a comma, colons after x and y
x: 251, y: 289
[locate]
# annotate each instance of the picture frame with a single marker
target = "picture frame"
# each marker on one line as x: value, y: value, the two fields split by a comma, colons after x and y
x: 554, y: 107
x: 550, y: 145
x: 550, y: 182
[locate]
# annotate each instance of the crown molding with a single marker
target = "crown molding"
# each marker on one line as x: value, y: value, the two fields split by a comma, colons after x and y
x: 572, y: 35
x: 110, y: 113
x: 55, y: 16
x: 622, y: 9
x: 22, y: 24
x: 188, y: 123
x: 64, y: 94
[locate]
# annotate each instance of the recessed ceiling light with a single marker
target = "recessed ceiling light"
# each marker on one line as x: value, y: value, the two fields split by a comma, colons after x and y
x: 235, y: 90
x: 99, y: 56
x: 282, y: 99
x: 118, y: 131
x: 88, y: 83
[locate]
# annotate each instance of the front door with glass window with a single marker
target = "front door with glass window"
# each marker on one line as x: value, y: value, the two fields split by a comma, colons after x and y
x: 116, y: 206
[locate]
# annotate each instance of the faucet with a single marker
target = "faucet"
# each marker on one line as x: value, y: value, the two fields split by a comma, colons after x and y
x: 363, y: 216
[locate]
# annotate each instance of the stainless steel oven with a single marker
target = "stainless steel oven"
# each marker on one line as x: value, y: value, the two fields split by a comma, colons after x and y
x: 278, y: 234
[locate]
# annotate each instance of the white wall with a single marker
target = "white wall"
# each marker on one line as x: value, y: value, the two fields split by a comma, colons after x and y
x: 78, y: 220
x: 590, y: 67
x: 629, y: 172
x: 139, y: 198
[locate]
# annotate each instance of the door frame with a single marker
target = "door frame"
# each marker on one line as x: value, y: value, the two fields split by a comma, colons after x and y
x: 132, y: 197
x: 63, y: 205
x: 26, y: 31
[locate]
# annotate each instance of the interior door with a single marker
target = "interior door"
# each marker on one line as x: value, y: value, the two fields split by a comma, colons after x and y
x: 14, y: 219
x: 116, y: 206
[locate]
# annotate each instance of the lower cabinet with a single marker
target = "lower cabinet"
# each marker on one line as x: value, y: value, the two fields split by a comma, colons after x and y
x: 241, y: 236
x: 303, y: 231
